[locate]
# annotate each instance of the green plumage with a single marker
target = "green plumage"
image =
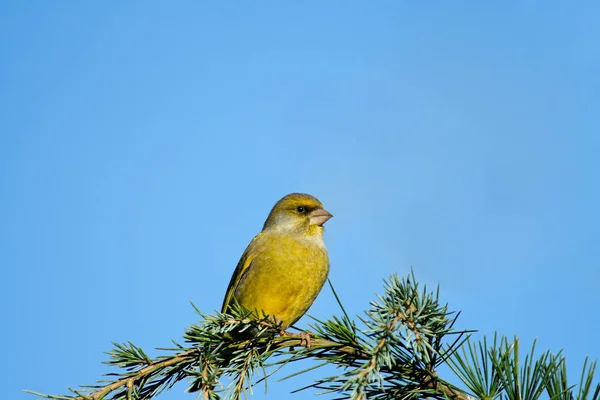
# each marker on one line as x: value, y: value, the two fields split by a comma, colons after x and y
x: 285, y: 266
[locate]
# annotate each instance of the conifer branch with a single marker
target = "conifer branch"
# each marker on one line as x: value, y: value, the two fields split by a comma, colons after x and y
x: 392, y: 352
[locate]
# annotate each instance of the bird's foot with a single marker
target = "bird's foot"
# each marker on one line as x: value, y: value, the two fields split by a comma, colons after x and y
x: 305, y: 338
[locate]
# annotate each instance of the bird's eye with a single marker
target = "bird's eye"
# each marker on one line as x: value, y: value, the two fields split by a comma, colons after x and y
x: 301, y: 209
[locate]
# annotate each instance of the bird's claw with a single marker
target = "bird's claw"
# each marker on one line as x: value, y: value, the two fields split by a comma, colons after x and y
x: 305, y: 339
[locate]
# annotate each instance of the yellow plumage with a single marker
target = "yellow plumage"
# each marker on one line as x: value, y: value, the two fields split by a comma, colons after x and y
x: 284, y: 267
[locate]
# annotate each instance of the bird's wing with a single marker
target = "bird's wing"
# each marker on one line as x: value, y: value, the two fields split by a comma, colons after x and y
x: 242, y: 267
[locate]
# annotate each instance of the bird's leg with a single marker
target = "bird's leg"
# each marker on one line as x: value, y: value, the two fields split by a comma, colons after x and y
x: 282, y: 331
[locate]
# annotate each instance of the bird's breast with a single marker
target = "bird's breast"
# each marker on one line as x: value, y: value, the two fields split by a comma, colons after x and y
x: 284, y: 278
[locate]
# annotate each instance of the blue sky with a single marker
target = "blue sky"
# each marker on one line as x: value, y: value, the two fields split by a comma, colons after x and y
x: 143, y: 144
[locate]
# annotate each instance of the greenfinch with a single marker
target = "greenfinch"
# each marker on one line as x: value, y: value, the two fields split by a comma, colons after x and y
x: 284, y: 267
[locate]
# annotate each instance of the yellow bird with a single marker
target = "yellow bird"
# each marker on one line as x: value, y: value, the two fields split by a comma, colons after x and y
x: 285, y: 266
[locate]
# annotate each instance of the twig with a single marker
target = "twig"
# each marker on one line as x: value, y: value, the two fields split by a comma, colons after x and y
x: 142, y: 373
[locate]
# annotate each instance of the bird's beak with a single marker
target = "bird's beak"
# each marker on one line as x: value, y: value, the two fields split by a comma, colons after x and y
x: 319, y: 216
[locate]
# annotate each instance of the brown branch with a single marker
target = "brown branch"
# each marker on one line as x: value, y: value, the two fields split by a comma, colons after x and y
x: 290, y: 340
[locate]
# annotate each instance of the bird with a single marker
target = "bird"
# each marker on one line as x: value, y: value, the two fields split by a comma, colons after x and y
x: 285, y: 266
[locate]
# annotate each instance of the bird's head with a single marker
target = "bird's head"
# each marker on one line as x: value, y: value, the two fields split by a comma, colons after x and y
x: 297, y: 213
